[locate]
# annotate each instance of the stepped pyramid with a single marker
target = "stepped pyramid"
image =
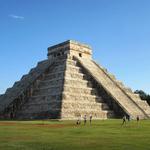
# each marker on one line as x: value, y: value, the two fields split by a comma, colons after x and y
x: 67, y: 85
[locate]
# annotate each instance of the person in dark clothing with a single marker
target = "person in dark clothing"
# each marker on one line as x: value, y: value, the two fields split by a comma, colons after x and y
x: 90, y: 119
x: 124, y: 120
x: 84, y: 119
x: 78, y: 121
x: 128, y: 118
x: 137, y: 119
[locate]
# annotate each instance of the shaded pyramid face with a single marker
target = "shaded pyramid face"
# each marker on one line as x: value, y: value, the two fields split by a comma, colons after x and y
x: 69, y: 85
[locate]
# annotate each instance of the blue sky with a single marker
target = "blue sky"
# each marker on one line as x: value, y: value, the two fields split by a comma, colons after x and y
x: 118, y: 31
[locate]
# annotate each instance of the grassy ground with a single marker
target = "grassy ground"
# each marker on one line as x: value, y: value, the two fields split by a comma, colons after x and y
x: 63, y: 135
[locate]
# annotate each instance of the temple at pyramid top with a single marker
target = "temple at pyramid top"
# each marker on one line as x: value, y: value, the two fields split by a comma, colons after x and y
x: 70, y: 47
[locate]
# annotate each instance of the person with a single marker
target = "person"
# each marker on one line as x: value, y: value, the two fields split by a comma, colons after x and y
x: 84, y: 119
x: 124, y: 120
x: 90, y: 118
x: 137, y: 119
x: 78, y: 121
x: 128, y: 118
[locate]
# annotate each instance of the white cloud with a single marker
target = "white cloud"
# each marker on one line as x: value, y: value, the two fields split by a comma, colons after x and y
x: 16, y: 17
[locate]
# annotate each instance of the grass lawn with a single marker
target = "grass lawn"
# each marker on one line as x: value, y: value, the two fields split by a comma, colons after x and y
x: 65, y: 135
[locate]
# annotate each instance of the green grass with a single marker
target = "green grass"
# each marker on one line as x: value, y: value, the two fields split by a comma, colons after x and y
x: 65, y: 135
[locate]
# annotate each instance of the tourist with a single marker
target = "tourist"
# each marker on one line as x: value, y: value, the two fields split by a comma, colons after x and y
x: 128, y: 118
x: 124, y: 120
x: 90, y: 119
x: 78, y: 121
x: 137, y: 119
x: 84, y: 119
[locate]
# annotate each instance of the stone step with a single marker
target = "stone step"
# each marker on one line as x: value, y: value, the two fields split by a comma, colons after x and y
x: 67, y: 104
x: 142, y: 104
x: 46, y: 98
x: 43, y: 100
x: 55, y: 75
x: 68, y: 114
x: 51, y: 83
x: 71, y: 62
x: 59, y: 68
x: 82, y: 90
x: 68, y: 67
x: 79, y: 112
x: 66, y: 96
x: 37, y: 110
x: 73, y: 68
x: 67, y: 88
x: 67, y: 73
x: 28, y: 116
x: 81, y: 97
x: 75, y: 75
x: 67, y: 99
x: 68, y: 81
x: 44, y: 91
x: 77, y: 82
x: 65, y: 61
x: 40, y: 103
x: 41, y: 106
x: 134, y: 96
x: 85, y: 111
x: 84, y: 105
x: 50, y: 95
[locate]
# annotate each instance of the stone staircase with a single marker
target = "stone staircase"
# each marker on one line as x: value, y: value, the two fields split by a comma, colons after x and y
x: 79, y: 97
x: 130, y: 103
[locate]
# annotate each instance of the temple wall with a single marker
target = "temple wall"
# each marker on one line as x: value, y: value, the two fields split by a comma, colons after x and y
x: 70, y: 47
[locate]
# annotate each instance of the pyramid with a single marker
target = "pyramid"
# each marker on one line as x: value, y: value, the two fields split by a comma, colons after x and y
x: 68, y: 85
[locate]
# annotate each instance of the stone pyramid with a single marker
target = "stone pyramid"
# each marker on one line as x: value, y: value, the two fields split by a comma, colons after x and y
x: 67, y: 85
